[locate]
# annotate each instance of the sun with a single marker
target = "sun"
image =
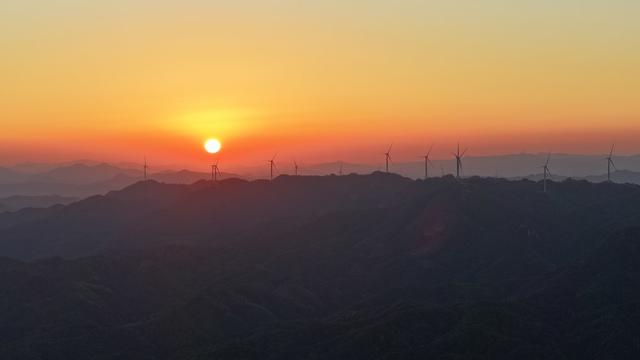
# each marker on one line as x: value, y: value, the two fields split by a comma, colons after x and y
x: 212, y: 146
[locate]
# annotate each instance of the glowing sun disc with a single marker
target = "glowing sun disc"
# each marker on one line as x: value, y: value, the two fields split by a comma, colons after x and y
x: 212, y: 146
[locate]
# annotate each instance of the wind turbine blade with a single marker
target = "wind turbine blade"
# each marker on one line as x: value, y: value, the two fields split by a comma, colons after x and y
x: 464, y: 152
x: 548, y: 158
x: 611, y: 152
x: 429, y: 152
x: 274, y: 156
x: 431, y: 163
x: 390, y: 146
x: 614, y: 165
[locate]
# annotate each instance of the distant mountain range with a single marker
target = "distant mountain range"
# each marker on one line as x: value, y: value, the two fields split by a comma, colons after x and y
x: 335, y: 267
x: 504, y: 166
x: 617, y: 176
x: 83, y: 179
x: 17, y: 202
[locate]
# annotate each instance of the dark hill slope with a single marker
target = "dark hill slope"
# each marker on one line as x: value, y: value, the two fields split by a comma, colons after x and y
x: 348, y: 267
x: 149, y: 213
x: 589, y: 310
x: 82, y: 228
x: 152, y: 214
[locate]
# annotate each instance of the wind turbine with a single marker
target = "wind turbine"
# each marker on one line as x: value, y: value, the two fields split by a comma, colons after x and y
x: 340, y: 170
x: 145, y: 167
x: 388, y: 158
x: 610, y: 163
x: 427, y: 161
x: 215, y: 172
x: 272, y: 165
x: 547, y: 173
x: 295, y: 168
x: 458, y: 157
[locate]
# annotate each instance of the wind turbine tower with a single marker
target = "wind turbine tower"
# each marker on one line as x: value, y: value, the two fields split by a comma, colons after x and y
x: 145, y: 167
x: 388, y: 158
x: 215, y: 172
x: 547, y: 173
x: 295, y: 168
x: 458, y: 157
x: 272, y: 165
x: 427, y: 161
x: 610, y: 163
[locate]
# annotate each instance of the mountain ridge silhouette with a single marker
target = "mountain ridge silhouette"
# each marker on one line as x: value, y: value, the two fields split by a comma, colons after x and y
x: 345, y: 267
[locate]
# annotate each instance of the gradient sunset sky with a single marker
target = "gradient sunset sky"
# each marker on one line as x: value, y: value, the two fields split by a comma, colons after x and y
x: 316, y: 80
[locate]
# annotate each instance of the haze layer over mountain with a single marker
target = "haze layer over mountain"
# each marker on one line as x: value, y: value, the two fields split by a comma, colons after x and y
x: 84, y: 178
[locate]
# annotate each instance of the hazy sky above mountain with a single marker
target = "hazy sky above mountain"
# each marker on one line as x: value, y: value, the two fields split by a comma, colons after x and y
x: 316, y: 79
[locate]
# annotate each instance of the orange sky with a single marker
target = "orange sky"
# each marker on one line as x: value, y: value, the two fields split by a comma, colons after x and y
x: 316, y: 81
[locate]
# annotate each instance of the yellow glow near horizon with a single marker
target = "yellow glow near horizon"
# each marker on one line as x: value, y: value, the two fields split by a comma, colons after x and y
x: 224, y: 122
x: 212, y: 146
